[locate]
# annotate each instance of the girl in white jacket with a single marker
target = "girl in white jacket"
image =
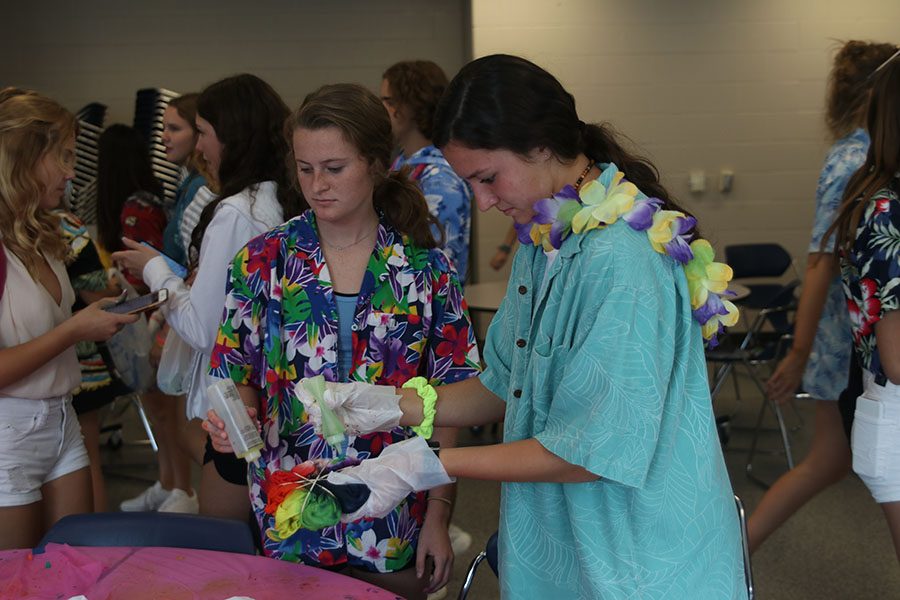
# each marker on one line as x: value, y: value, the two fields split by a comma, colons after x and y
x: 240, y: 121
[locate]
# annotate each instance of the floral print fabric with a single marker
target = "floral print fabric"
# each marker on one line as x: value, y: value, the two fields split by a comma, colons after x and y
x: 871, y: 274
x: 826, y: 370
x: 449, y: 199
x: 281, y: 324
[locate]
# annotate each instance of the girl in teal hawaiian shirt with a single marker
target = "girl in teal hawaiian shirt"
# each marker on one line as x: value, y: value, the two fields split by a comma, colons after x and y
x: 355, y: 289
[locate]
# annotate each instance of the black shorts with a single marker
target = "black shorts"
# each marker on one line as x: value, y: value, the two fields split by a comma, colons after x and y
x: 230, y: 468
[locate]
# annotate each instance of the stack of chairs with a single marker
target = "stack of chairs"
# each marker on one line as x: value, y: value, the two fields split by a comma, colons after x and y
x: 149, y: 106
x: 83, y: 200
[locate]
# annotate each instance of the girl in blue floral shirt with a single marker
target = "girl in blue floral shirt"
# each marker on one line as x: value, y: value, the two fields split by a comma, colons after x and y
x: 354, y: 289
x: 868, y: 241
x: 410, y: 92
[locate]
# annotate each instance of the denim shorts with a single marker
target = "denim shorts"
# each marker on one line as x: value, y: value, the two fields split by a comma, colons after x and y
x: 876, y: 439
x: 40, y: 440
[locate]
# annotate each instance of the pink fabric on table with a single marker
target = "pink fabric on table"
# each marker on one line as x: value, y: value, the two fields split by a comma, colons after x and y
x: 171, y: 573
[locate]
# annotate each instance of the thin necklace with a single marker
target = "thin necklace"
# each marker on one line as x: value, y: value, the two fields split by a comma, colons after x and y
x: 350, y: 245
x: 584, y: 174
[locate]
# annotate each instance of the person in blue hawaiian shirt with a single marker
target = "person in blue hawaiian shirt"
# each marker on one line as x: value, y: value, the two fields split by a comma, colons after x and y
x: 410, y: 92
x: 614, y: 484
x: 820, y: 354
x: 868, y: 242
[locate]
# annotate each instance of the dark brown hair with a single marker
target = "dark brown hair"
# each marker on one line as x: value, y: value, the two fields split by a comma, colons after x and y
x: 123, y: 168
x: 882, y: 160
x: 416, y: 87
x: 506, y: 102
x: 248, y: 118
x: 849, y: 84
x: 364, y: 122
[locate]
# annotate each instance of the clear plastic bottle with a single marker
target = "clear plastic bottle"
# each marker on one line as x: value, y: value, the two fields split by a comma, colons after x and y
x: 226, y: 401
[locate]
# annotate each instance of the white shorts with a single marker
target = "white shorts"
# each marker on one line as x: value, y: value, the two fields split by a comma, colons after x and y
x: 876, y: 439
x: 40, y: 440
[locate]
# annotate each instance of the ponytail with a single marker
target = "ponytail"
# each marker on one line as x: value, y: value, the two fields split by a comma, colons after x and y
x: 403, y: 206
x: 601, y: 143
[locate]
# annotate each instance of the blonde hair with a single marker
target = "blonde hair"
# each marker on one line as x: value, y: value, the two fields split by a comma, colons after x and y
x: 31, y: 126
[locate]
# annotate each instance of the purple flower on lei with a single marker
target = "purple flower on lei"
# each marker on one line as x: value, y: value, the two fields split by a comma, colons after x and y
x: 640, y: 218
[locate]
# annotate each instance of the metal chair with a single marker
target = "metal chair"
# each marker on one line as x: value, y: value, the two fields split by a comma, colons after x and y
x: 755, y: 261
x: 489, y: 553
x: 171, y: 530
x: 767, y: 338
x: 757, y: 349
x: 745, y: 546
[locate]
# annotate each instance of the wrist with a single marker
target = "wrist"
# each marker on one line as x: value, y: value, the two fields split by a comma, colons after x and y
x: 800, y: 354
x: 410, y: 406
x: 439, y: 510
x: 505, y: 248
x: 68, y: 332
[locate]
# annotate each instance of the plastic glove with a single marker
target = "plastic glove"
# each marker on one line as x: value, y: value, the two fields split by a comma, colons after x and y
x: 361, y: 407
x: 401, y: 468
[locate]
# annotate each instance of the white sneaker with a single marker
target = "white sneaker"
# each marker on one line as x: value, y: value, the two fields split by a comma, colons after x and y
x: 150, y: 499
x: 179, y: 502
x: 460, y: 540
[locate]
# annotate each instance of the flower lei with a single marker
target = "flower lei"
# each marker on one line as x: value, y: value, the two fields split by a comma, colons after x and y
x: 602, y: 202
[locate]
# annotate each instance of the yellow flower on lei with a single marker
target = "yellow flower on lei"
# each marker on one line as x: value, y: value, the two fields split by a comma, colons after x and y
x: 707, y: 281
x: 704, y: 275
x: 605, y: 199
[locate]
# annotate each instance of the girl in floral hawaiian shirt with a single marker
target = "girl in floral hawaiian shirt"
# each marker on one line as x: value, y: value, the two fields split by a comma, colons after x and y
x: 868, y: 241
x: 354, y: 289
x: 820, y: 354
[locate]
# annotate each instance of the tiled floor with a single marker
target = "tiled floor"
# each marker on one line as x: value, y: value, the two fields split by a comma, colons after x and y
x: 837, y: 547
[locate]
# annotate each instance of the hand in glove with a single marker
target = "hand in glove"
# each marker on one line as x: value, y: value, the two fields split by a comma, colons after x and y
x: 361, y: 407
x: 401, y: 468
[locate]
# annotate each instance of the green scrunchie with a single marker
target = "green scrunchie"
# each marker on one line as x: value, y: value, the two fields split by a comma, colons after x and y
x: 429, y: 405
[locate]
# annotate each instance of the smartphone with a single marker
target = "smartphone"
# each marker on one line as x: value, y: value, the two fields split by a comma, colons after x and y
x: 177, y: 268
x: 140, y: 304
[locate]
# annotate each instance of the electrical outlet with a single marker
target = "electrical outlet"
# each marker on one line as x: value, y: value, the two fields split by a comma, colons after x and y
x: 726, y: 181
x: 697, y: 181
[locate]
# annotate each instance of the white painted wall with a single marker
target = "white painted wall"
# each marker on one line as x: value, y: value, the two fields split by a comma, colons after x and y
x: 698, y: 84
